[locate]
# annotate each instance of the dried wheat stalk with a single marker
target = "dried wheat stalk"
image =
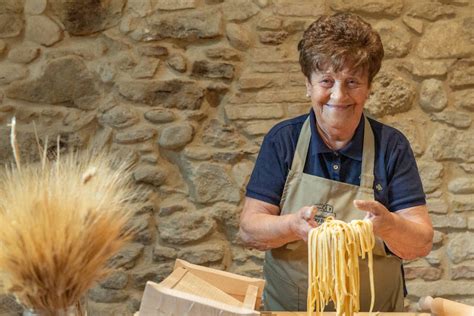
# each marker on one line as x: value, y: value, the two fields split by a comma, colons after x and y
x: 60, y: 223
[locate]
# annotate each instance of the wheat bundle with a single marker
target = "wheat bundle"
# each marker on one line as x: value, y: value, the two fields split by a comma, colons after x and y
x: 60, y: 223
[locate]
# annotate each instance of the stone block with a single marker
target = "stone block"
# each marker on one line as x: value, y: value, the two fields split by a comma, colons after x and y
x: 64, y: 80
x: 464, y: 99
x: 461, y: 75
x: 176, y: 135
x: 101, y: 295
x: 204, y: 68
x: 254, y: 112
x: 160, y: 116
x: 461, y: 186
x: 444, y: 39
x: 431, y: 174
x: 238, y: 36
x: 453, y: 118
x: 153, y: 50
x: 220, y: 135
x: 184, y: 227
x: 290, y: 8
x: 451, y: 144
x: 86, y: 17
x: 23, y: 54
x: 152, y: 175
x: 270, y: 22
x: 177, y: 62
x: 258, y: 128
x: 212, y: 183
x: 184, y: 25
x: 431, y: 11
x: 437, y: 206
x: 427, y: 68
x: 395, y: 39
x: 11, y: 18
x: 224, y: 53
x: 145, y: 68
x: 11, y: 73
x: 283, y: 67
x: 440, y: 288
x: 425, y: 273
x: 35, y: 7
x: 433, y: 97
x: 175, y: 4
x: 138, y: 135
x: 414, y: 24
x: 449, y: 221
x: 391, y: 8
x: 272, y: 37
x: 127, y: 256
x: 391, y: 94
x: 119, y: 116
x: 203, y: 253
x: 239, y: 10
x: 462, y: 272
x: 155, y: 273
x: 163, y: 253
x: 460, y: 247
x: 117, y: 280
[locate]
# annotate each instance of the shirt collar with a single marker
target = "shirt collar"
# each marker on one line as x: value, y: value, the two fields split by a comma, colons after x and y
x: 353, y: 149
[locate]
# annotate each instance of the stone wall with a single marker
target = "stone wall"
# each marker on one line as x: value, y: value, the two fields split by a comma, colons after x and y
x: 188, y: 88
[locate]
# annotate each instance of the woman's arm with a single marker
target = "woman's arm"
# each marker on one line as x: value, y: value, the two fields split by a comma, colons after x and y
x: 262, y: 227
x: 408, y: 233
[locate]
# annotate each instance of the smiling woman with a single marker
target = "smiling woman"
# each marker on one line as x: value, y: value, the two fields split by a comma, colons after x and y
x: 336, y: 162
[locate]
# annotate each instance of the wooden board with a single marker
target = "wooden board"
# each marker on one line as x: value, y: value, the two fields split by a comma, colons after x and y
x: 161, y: 301
x: 195, y: 290
x: 191, y: 284
x: 234, y: 285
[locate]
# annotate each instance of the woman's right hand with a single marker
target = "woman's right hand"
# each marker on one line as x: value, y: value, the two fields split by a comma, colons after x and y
x: 303, y: 221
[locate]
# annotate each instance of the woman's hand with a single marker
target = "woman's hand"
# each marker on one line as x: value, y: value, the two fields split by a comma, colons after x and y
x: 303, y: 221
x: 408, y: 233
x: 382, y: 219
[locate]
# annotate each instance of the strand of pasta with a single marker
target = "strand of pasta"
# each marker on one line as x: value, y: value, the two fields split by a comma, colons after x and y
x: 334, y: 249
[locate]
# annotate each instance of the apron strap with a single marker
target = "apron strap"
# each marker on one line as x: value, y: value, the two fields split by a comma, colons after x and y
x: 301, y: 152
x: 368, y: 157
x: 368, y: 154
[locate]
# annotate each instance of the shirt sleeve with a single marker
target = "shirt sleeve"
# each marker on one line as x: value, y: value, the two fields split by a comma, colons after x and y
x: 269, y: 174
x: 405, y: 188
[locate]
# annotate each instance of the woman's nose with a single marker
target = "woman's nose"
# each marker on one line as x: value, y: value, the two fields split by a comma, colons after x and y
x: 338, y: 92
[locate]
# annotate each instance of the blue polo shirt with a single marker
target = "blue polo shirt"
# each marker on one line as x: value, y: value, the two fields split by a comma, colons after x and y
x: 397, y: 183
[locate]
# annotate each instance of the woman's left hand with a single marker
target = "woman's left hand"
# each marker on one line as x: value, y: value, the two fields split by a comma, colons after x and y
x: 382, y: 219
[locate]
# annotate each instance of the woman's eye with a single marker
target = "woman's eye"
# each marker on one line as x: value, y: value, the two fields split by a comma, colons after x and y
x: 326, y: 82
x: 353, y: 83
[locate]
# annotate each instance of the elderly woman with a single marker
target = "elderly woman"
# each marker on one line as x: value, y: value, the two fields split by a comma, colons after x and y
x: 335, y: 161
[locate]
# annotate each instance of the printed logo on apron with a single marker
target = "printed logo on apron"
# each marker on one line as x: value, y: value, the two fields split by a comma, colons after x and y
x: 324, y: 210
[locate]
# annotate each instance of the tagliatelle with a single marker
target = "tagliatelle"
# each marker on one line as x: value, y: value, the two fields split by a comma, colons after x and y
x: 334, y: 249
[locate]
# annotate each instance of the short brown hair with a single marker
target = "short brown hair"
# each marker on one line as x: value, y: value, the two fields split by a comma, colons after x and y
x: 340, y: 40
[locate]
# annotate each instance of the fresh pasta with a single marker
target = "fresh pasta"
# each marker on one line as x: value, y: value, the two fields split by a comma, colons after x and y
x: 334, y: 249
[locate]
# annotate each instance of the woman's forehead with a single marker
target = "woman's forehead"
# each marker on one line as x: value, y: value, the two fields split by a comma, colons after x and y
x: 346, y: 71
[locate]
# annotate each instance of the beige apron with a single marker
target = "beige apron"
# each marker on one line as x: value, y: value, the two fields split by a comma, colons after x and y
x: 285, y: 268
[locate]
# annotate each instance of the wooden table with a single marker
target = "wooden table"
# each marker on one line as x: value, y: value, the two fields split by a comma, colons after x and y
x: 334, y: 314
x: 356, y: 314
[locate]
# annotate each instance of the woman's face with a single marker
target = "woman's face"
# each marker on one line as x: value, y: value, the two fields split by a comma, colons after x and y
x: 338, y: 99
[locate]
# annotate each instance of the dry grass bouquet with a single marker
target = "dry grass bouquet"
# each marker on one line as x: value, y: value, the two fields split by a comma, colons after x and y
x: 61, y: 221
